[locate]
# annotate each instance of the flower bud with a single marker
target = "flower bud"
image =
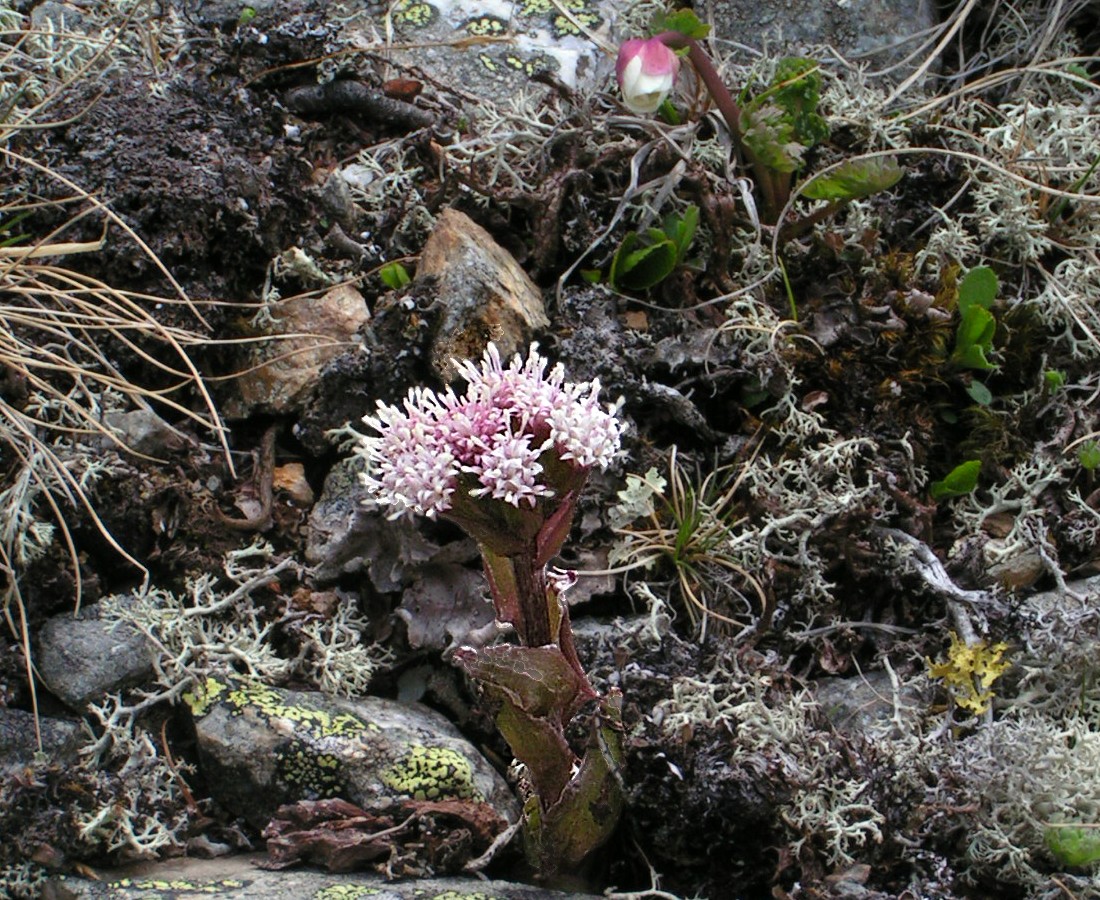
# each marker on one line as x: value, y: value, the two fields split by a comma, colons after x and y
x: 647, y: 71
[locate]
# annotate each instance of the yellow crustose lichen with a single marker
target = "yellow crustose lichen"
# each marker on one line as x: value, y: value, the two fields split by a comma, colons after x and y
x: 432, y: 773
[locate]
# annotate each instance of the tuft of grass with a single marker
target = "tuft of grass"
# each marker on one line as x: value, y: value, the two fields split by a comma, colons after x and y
x: 689, y: 521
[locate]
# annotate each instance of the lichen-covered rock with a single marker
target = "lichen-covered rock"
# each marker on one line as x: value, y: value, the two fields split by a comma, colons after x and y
x: 486, y: 295
x: 492, y: 47
x: 261, y: 747
x: 239, y: 877
x: 83, y: 658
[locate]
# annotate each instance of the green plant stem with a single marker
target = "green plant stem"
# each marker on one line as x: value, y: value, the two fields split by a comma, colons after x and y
x: 770, y: 191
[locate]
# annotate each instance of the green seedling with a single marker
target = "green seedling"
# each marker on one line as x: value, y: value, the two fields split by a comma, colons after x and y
x: 960, y: 481
x: 643, y: 261
x: 394, y: 276
x: 1089, y: 456
x: 1075, y: 846
x: 1053, y: 380
x: 974, y: 338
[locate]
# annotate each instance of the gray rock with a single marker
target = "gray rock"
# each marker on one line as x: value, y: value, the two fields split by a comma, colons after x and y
x: 484, y: 293
x: 144, y: 431
x: 348, y: 533
x: 492, y: 47
x: 239, y: 877
x: 886, y: 30
x: 262, y: 747
x: 18, y: 743
x: 83, y: 658
x: 864, y: 706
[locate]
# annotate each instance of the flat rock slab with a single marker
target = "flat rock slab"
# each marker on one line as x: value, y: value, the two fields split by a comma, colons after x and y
x: 261, y: 747
x: 239, y: 877
x: 886, y: 30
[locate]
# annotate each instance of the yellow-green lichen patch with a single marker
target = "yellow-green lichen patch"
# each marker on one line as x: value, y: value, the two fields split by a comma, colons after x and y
x: 414, y: 14
x: 529, y: 66
x: 345, y: 892
x: 204, y: 696
x: 566, y: 26
x: 178, y: 886
x: 485, y: 26
x: 314, y: 775
x: 463, y: 895
x: 317, y: 723
x: 432, y: 773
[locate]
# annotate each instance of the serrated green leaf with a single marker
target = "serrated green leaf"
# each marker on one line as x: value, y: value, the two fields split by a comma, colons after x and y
x: 682, y: 20
x: 960, y: 481
x: 854, y: 179
x: 979, y: 288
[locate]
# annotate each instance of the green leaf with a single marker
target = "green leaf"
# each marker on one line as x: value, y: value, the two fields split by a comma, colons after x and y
x: 979, y: 393
x: 681, y: 230
x: 1074, y: 846
x: 639, y: 269
x: 592, y: 276
x: 394, y: 276
x: 1054, y: 380
x: 854, y: 179
x: 974, y: 338
x: 1089, y: 455
x: 796, y: 88
x: 960, y: 481
x: 770, y: 136
x: 682, y: 20
x: 979, y: 287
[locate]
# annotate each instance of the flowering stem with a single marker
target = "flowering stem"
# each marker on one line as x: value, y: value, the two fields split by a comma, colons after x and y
x: 731, y: 112
x: 534, y: 617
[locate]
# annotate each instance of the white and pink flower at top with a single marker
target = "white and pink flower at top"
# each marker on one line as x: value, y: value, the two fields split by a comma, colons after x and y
x: 496, y: 433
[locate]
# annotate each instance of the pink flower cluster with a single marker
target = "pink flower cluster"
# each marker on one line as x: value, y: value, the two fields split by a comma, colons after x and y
x: 491, y: 440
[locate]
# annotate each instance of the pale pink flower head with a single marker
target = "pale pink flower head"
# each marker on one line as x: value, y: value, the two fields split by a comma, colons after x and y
x: 646, y: 70
x: 497, y: 441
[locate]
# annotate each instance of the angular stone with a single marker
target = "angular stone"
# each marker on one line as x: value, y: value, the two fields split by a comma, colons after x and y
x: 288, y: 369
x: 261, y: 747
x: 83, y: 658
x: 486, y: 295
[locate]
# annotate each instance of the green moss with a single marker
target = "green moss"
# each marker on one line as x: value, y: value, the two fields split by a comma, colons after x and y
x: 432, y: 773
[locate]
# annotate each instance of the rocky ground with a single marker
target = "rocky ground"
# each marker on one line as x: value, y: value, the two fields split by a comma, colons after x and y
x: 844, y: 570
